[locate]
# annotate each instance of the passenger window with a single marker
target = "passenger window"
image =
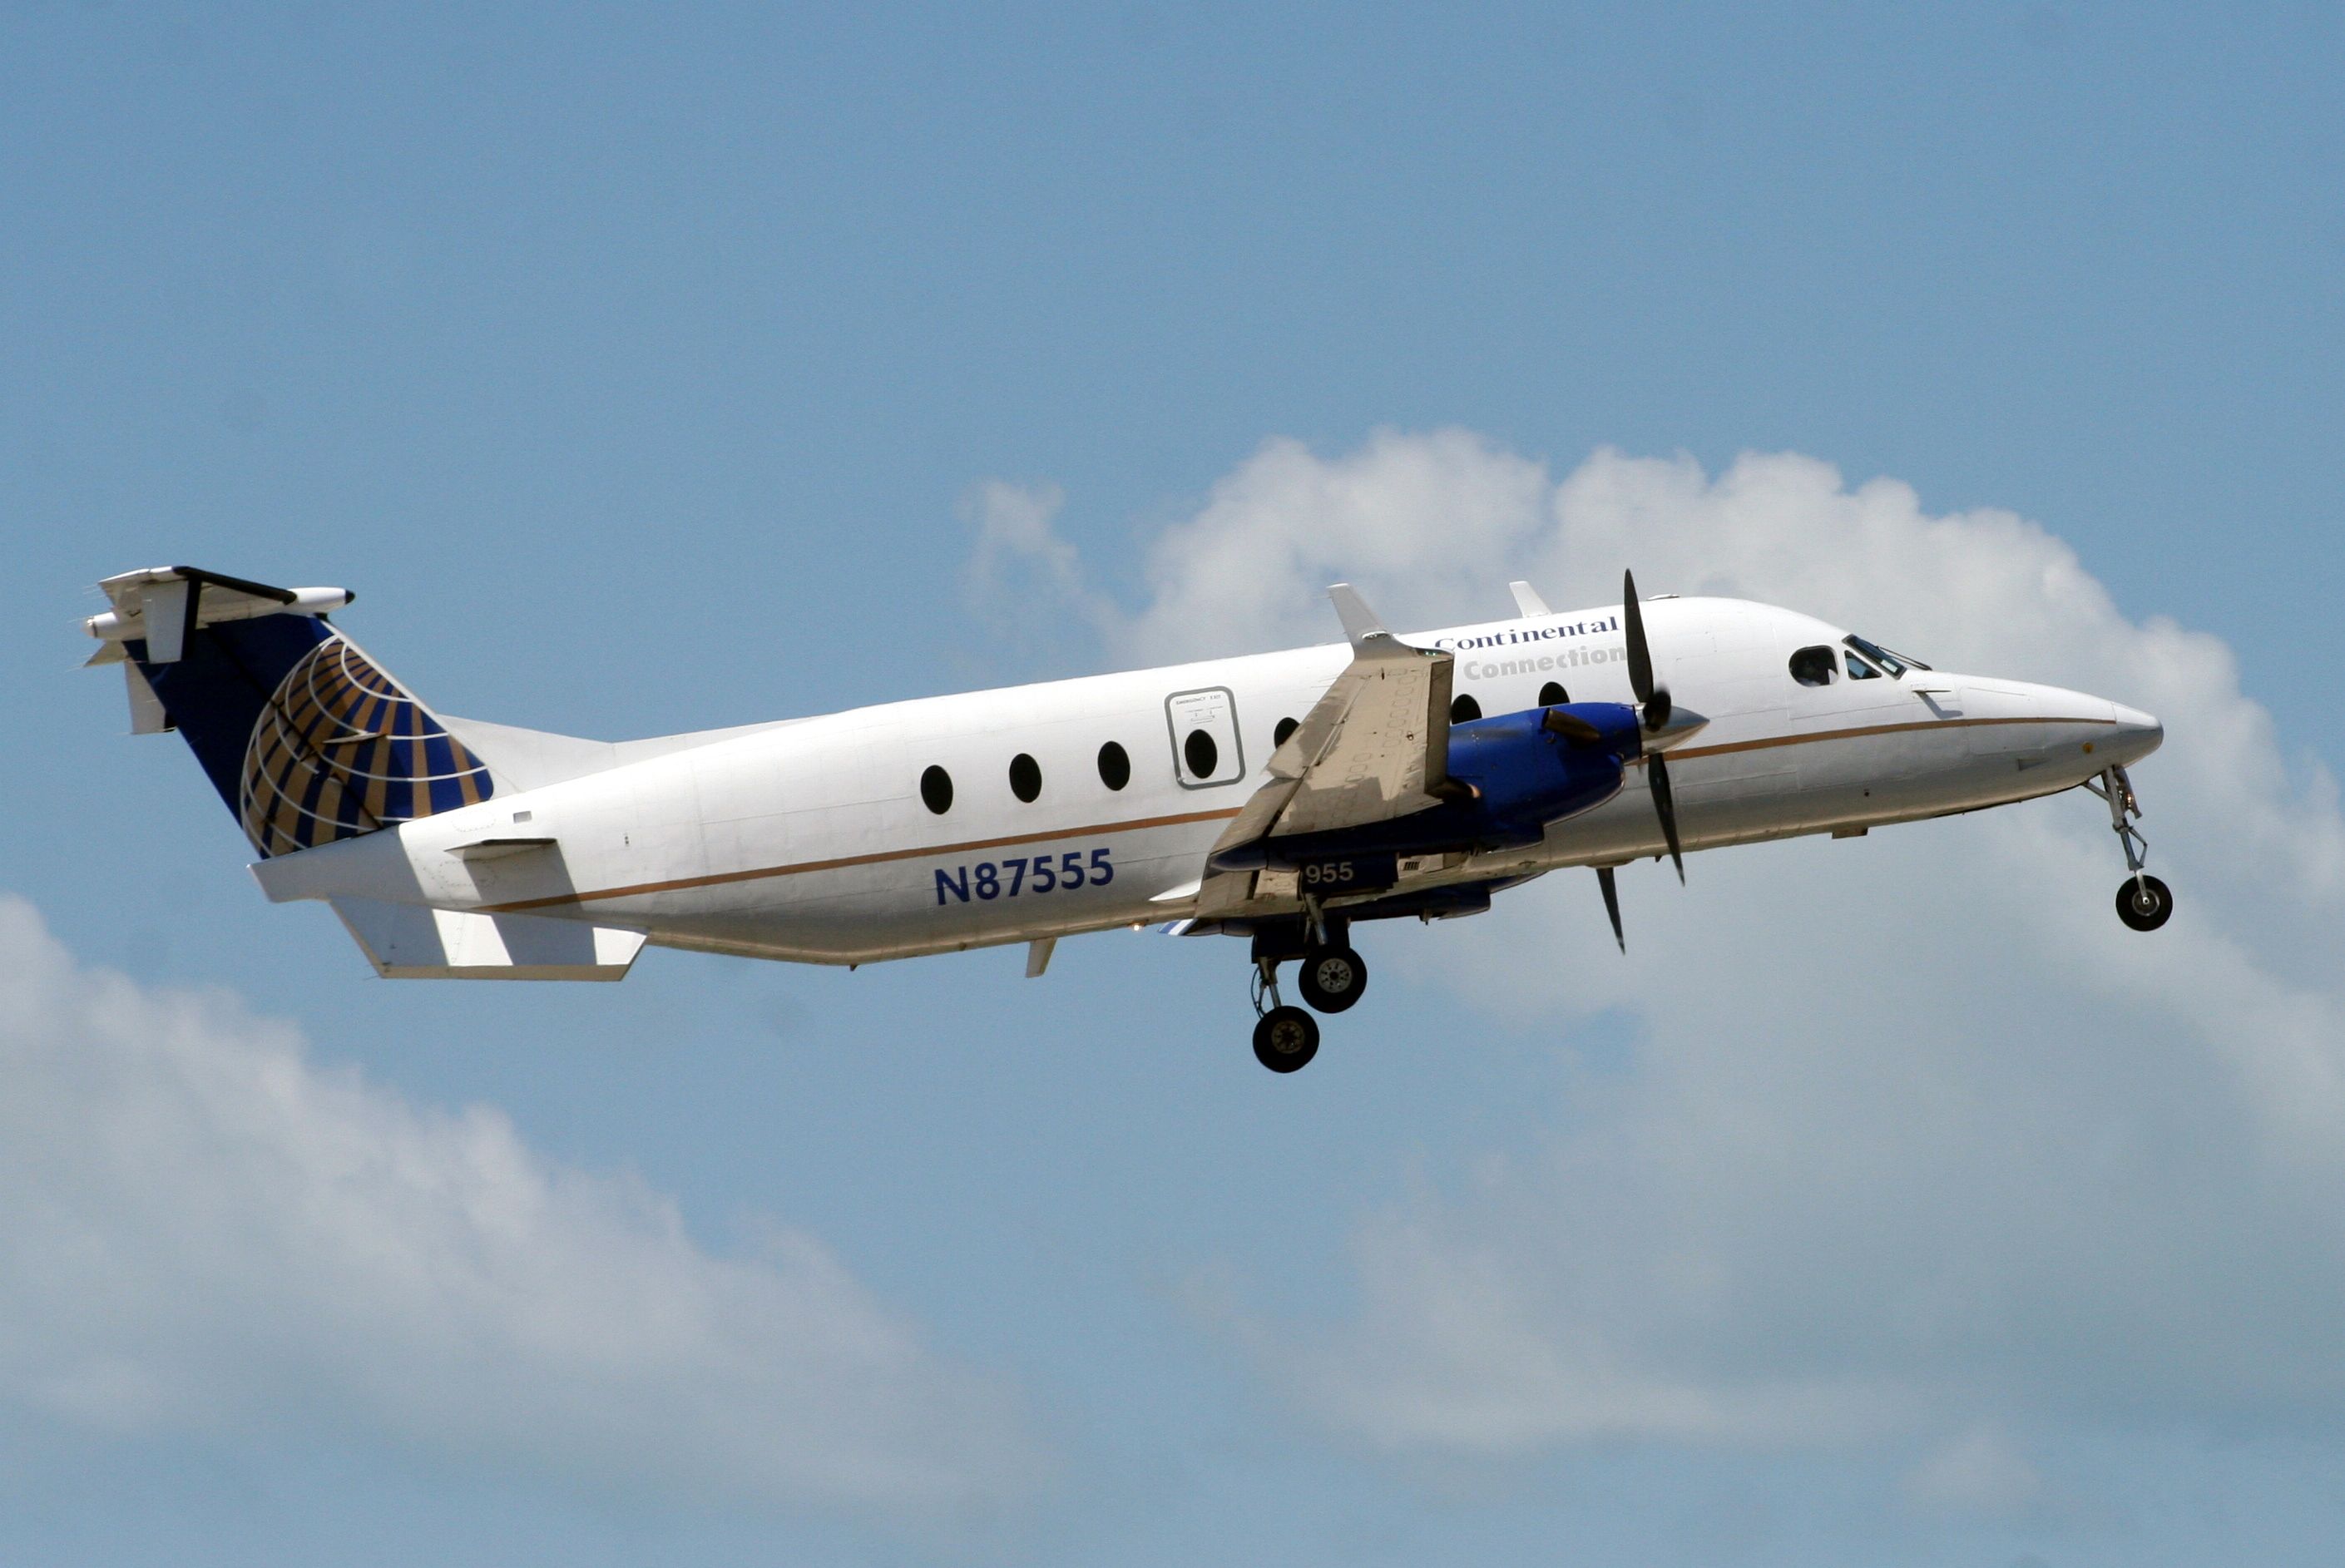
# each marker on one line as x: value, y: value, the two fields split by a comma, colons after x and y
x: 936, y: 790
x: 1203, y: 757
x: 1114, y: 766
x: 1025, y: 777
x: 1814, y: 667
x: 1465, y: 711
x: 1553, y: 695
x: 1858, y: 670
x: 1285, y: 728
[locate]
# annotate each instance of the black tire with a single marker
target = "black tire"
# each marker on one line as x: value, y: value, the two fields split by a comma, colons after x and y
x: 2144, y: 907
x: 1285, y: 1039
x: 1332, y: 978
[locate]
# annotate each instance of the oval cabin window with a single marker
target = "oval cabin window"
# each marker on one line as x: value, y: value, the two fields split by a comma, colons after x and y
x: 1115, y: 767
x: 1465, y: 711
x: 1285, y: 727
x: 936, y: 790
x: 1201, y: 754
x: 1553, y: 695
x: 1025, y: 777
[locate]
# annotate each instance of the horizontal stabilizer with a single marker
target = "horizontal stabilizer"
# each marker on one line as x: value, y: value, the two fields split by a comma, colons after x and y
x: 162, y: 606
x: 407, y: 942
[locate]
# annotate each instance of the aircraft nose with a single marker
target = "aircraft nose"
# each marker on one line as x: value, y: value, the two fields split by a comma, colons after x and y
x: 2138, y: 733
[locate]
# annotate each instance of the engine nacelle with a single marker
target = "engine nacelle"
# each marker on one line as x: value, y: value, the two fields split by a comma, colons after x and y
x: 1513, y: 774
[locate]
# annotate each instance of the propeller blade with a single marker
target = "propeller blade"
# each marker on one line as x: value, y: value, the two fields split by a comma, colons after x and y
x: 1572, y: 728
x: 1633, y: 622
x: 1611, y: 903
x: 1657, y: 773
x: 1654, y: 700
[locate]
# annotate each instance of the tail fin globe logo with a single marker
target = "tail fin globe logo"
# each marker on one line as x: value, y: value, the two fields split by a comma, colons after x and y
x: 341, y: 749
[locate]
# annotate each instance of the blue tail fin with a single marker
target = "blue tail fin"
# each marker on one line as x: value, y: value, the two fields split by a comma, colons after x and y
x: 306, y: 739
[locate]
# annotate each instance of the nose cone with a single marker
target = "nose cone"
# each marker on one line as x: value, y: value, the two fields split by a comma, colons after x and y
x: 2137, y: 734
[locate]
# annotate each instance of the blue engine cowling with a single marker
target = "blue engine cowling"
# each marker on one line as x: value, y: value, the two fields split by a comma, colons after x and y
x: 1517, y: 774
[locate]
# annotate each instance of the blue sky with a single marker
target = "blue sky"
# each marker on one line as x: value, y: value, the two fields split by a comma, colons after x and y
x: 643, y: 373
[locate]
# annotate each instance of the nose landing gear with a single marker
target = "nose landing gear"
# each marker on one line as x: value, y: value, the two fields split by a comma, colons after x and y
x: 2144, y: 903
x: 2143, y: 900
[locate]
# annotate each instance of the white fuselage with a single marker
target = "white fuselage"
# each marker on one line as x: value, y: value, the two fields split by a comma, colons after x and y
x: 810, y: 840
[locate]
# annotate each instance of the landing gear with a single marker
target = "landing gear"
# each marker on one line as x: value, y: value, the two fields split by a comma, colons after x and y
x: 1285, y: 1039
x: 1330, y: 976
x: 1333, y: 978
x: 2144, y: 902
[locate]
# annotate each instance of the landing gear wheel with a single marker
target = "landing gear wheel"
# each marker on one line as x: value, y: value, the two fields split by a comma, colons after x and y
x: 1285, y: 1039
x: 2144, y: 903
x: 1332, y: 978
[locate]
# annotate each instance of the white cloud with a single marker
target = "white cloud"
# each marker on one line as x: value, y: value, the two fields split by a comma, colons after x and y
x: 1427, y: 514
x: 201, y: 1230
x: 1025, y: 581
x: 1916, y: 1138
x: 1014, y: 536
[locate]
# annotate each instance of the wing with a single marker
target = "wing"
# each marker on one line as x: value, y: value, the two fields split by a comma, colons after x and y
x: 1375, y: 747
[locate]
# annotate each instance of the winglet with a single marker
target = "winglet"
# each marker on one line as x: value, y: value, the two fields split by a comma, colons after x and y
x: 1360, y: 622
x: 1527, y: 600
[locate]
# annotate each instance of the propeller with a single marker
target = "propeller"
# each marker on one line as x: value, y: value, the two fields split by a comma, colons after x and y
x: 1653, y: 708
x: 1653, y: 712
x: 1611, y: 903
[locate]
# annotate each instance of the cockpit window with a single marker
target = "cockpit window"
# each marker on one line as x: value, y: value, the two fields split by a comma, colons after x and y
x: 1814, y: 667
x: 1895, y: 664
x: 1858, y: 670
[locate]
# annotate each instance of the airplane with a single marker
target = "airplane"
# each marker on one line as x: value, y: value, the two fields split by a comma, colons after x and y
x: 1278, y: 797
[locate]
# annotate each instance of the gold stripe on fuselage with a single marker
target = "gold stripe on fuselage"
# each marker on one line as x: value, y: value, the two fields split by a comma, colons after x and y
x: 717, y: 878
x: 1799, y: 740
x: 873, y: 859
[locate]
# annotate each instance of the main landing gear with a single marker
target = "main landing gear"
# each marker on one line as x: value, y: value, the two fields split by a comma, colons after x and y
x: 1332, y: 978
x: 1284, y: 1038
x: 2144, y: 902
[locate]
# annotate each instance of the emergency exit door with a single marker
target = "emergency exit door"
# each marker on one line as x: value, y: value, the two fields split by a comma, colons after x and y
x: 1203, y: 728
